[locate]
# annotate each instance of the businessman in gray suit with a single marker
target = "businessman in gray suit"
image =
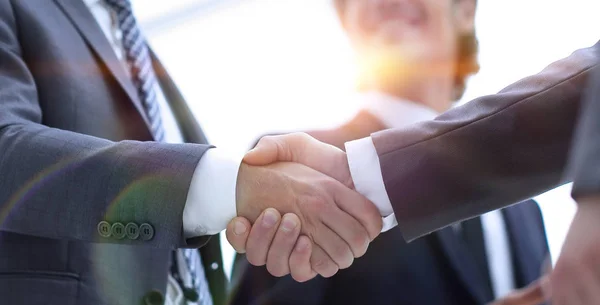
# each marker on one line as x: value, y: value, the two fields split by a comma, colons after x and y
x: 104, y: 172
x: 512, y: 145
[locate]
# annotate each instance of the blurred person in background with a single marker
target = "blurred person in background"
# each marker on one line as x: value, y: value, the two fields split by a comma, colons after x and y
x: 414, y: 59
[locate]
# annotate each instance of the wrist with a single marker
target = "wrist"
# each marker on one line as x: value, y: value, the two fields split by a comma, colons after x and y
x: 210, y: 203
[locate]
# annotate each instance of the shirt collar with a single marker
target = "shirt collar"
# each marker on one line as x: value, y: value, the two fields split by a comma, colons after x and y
x: 395, y: 112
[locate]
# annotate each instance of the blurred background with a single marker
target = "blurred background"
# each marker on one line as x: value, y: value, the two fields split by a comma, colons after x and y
x: 248, y: 67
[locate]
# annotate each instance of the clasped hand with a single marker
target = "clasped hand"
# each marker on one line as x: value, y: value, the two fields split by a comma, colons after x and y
x: 325, y: 223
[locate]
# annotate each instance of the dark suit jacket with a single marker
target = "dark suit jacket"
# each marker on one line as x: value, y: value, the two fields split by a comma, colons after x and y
x: 73, y: 154
x: 437, y: 269
x: 493, y: 151
x: 584, y: 164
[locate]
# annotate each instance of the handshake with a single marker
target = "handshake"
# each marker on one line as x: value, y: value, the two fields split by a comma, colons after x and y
x: 325, y: 223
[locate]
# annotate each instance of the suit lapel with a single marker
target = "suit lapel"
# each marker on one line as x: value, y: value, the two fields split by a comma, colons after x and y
x: 85, y: 23
x: 520, y: 221
x: 463, y: 264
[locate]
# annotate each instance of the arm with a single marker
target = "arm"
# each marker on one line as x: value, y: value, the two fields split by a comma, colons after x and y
x: 512, y: 146
x: 576, y: 276
x: 65, y: 185
x: 61, y: 184
x: 489, y: 153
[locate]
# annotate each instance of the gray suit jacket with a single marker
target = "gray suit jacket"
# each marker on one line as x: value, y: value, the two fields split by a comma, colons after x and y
x: 493, y: 151
x: 77, y: 162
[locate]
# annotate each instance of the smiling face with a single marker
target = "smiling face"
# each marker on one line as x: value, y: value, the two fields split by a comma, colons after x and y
x: 408, y: 39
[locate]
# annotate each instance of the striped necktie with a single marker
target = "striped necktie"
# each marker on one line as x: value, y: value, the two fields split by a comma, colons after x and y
x: 142, y: 73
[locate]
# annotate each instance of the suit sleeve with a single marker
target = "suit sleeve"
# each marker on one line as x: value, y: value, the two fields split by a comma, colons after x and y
x: 60, y: 184
x: 490, y: 153
x: 584, y: 163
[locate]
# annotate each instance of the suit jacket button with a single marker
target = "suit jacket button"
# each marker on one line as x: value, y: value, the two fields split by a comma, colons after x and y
x: 154, y: 298
x: 146, y: 231
x: 132, y: 230
x: 104, y: 229
x: 118, y: 230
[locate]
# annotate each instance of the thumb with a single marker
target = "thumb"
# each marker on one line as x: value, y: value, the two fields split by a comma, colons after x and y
x: 304, y: 149
x: 237, y: 233
x: 271, y: 149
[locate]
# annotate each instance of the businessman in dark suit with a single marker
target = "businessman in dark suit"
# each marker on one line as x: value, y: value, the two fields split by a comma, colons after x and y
x: 513, y: 145
x: 471, y: 263
x: 107, y: 183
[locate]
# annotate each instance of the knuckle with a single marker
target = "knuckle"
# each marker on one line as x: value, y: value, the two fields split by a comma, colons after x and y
x: 318, y: 201
x: 329, y: 184
x: 266, y: 140
x: 343, y: 256
x: 319, y: 263
x: 324, y: 266
x: 317, y: 204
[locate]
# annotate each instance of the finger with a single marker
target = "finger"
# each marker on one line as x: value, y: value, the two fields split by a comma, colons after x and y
x: 299, y: 263
x: 359, y: 207
x: 337, y: 249
x: 321, y: 263
x: 237, y: 233
x: 349, y: 229
x: 283, y: 244
x: 530, y: 295
x: 261, y: 236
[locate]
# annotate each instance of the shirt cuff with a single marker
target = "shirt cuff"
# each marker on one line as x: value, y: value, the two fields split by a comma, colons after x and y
x: 211, y: 200
x: 368, y: 179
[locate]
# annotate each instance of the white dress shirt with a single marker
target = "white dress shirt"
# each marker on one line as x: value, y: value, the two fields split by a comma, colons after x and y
x: 210, y: 202
x: 368, y: 180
